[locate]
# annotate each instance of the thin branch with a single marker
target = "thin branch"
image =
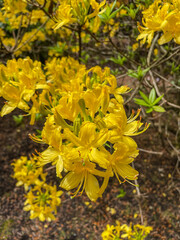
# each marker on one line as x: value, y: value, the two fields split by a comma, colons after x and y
x: 151, y: 152
x: 138, y: 199
x: 159, y: 94
x: 80, y: 41
x: 151, y: 49
x: 178, y: 156
x: 29, y: 39
x: 111, y: 41
x: 161, y: 60
x: 165, y: 79
x: 133, y: 94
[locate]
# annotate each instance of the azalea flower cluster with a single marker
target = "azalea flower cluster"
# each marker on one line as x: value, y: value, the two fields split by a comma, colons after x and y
x: 161, y: 16
x: 86, y: 128
x: 31, y: 23
x: 118, y: 232
x: 24, y: 23
x: 42, y: 199
x: 80, y: 12
x: 19, y: 81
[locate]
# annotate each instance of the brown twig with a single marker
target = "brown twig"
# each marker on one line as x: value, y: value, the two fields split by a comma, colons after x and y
x: 150, y: 151
x: 29, y: 39
x: 138, y: 199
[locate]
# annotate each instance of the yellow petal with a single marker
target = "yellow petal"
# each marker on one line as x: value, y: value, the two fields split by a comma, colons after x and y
x: 7, y: 109
x: 71, y: 180
x: 99, y: 157
x: 71, y: 137
x: 42, y: 217
x: 49, y: 155
x: 101, y: 138
x: 126, y: 171
x: 165, y: 38
x: 59, y: 166
x: 92, y: 187
x: 87, y: 133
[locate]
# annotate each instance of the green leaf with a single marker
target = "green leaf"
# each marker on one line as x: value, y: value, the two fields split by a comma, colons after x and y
x: 114, y: 4
x: 115, y: 12
x: 146, y: 99
x: 121, y: 194
x: 18, y: 119
x: 141, y: 102
x: 149, y: 110
x: 152, y: 96
x: 158, y: 99
x: 158, y: 109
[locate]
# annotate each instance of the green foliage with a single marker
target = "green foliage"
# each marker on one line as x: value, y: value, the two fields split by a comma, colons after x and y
x: 18, y: 119
x: 58, y: 49
x: 108, y: 13
x: 150, y: 102
x: 121, y: 194
x: 174, y: 68
x: 139, y: 74
x: 146, y: 3
x: 85, y: 57
x: 119, y: 60
x: 132, y: 11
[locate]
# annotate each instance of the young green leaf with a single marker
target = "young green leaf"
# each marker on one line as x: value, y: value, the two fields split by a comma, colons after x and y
x: 144, y: 97
x: 141, y: 102
x: 158, y: 99
x: 121, y: 194
x: 152, y: 96
x: 149, y: 110
x: 158, y: 109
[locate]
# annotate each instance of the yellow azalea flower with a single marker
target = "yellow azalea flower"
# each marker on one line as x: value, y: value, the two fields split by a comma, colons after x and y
x: 96, y: 7
x: 63, y: 16
x: 80, y: 9
x: 118, y: 162
x: 121, y: 126
x: 124, y: 231
x: 88, y: 137
x: 51, y: 133
x: 18, y: 82
x: 42, y: 202
x: 55, y: 157
x: 161, y: 16
x: 68, y: 106
x: 92, y: 102
x: 112, y: 232
x: 27, y: 172
x: 82, y: 178
x: 14, y: 97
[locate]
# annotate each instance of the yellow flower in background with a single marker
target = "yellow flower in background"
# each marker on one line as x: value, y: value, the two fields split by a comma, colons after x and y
x: 27, y: 172
x: 124, y: 231
x: 63, y: 16
x: 155, y: 51
x: 18, y: 82
x: 73, y: 11
x: 112, y: 232
x: 42, y: 202
x: 135, y: 46
x: 161, y: 16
